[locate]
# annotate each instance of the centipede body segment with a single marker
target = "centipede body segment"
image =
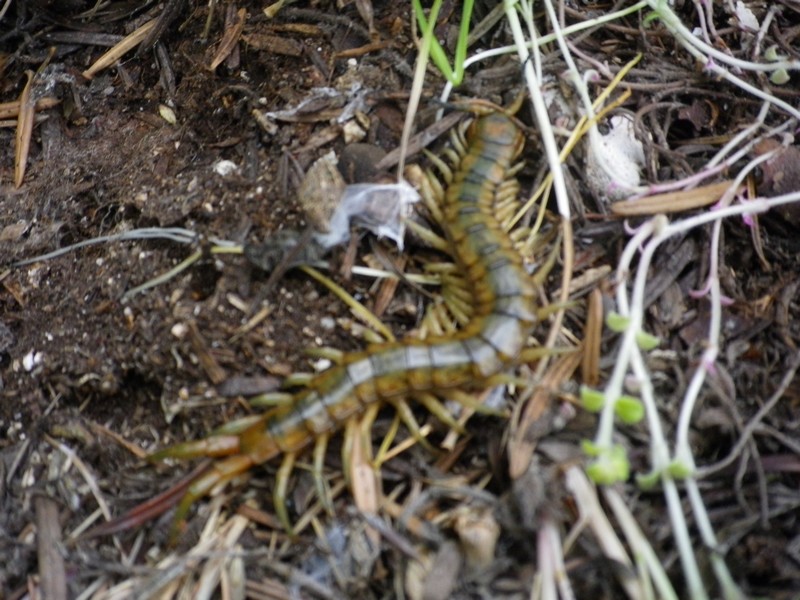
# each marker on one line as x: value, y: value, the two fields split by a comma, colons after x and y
x: 503, y: 314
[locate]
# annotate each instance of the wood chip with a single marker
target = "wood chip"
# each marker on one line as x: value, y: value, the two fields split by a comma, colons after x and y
x: 52, y: 575
x: 672, y: 202
x: 592, y: 336
x: 274, y: 44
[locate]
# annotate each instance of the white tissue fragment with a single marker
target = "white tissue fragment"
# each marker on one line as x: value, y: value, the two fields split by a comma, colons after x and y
x: 747, y: 19
x: 381, y: 208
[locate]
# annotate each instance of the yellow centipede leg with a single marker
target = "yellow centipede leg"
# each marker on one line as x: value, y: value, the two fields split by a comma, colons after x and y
x: 348, y: 440
x: 469, y: 401
x: 459, y: 142
x: 404, y: 411
x: 320, y: 448
x: 437, y: 242
x: 529, y: 355
x: 541, y: 275
x: 438, y: 410
x: 442, y: 166
x: 453, y: 156
x: 279, y: 493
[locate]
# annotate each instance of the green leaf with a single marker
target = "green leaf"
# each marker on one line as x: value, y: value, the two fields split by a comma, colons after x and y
x: 679, y: 469
x: 616, y: 322
x: 647, y: 341
x: 653, y: 16
x: 772, y: 54
x: 592, y: 400
x: 630, y: 410
x: 610, y: 467
x: 648, y: 481
x: 590, y: 448
x: 779, y: 77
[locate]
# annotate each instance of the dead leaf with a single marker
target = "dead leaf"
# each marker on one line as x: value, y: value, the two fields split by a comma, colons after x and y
x: 478, y: 532
x: 533, y: 421
x: 321, y: 191
x: 229, y: 39
x: 780, y: 175
x: 11, y: 233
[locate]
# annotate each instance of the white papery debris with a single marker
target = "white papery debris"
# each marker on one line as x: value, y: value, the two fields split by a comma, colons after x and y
x: 613, y: 160
x: 381, y: 208
x: 747, y: 19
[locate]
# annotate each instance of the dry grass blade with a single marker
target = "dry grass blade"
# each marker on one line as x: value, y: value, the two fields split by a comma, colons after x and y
x: 420, y: 140
x: 84, y: 470
x: 229, y: 39
x: 114, y: 54
x: 593, y: 515
x: 388, y: 287
x: 10, y: 110
x: 672, y: 202
x: 520, y: 446
x: 24, y: 131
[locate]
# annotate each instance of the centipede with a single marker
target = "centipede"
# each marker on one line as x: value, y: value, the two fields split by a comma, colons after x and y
x: 478, y: 355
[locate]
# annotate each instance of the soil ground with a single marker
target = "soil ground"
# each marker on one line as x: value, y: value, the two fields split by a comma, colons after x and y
x: 91, y: 379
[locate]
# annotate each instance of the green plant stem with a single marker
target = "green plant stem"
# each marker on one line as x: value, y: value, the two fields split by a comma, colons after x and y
x: 454, y: 74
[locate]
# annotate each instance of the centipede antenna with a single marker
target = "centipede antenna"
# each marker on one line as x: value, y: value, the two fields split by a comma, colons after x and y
x: 151, y: 509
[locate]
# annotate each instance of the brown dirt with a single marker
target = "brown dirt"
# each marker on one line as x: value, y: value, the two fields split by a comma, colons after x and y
x: 78, y: 362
